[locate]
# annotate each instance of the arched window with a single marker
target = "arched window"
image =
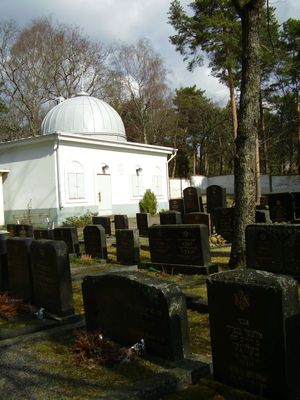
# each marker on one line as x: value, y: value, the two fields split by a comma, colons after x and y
x: 137, y: 182
x: 157, y: 182
x: 75, y: 181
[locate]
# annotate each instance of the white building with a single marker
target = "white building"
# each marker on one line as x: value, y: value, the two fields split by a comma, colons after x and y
x: 81, y: 162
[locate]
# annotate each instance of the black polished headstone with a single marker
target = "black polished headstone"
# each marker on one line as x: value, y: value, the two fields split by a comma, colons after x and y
x: 25, y: 230
x: 281, y: 206
x: 192, y: 200
x: 128, y: 247
x: 69, y: 236
x: 215, y: 197
x: 143, y: 223
x: 19, y: 268
x: 198, y: 218
x: 184, y: 248
x: 121, y: 221
x: 3, y: 262
x: 43, y: 233
x: 128, y: 307
x: 95, y: 241
x: 170, y: 217
x: 12, y: 230
x: 296, y: 196
x: 176, y: 205
x: 51, y: 276
x: 223, y: 221
x: 254, y: 328
x: 274, y: 248
x: 104, y: 221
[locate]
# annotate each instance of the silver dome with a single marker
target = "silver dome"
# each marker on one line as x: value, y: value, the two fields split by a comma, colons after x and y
x: 85, y: 115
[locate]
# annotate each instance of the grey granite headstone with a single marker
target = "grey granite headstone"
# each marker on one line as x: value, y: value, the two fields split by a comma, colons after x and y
x: 254, y: 327
x: 274, y: 248
x: 121, y: 221
x: 170, y: 217
x: 128, y: 247
x: 192, y: 200
x: 281, y: 206
x: 69, y: 235
x: 104, y: 221
x: 183, y: 248
x: 95, y: 241
x: 19, y: 268
x: 143, y: 223
x: 215, y: 197
x: 128, y: 307
x: 52, y: 285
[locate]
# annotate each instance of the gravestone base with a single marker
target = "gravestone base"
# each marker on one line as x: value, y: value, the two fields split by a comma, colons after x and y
x: 62, y: 320
x: 181, y: 268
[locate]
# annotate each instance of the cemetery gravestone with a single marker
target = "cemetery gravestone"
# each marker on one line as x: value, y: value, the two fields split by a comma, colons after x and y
x: 198, y: 218
x: 43, y: 233
x: 121, y: 222
x: 143, y: 222
x: 105, y: 222
x: 52, y: 285
x: 25, y: 230
x: 128, y: 247
x: 223, y: 221
x: 170, y: 217
x: 12, y: 230
x: 254, y: 333
x: 262, y: 216
x: 128, y: 307
x: 215, y: 197
x: 274, y: 248
x: 69, y: 236
x: 281, y: 206
x: 296, y: 196
x: 3, y: 262
x: 183, y: 248
x: 19, y: 268
x: 176, y: 205
x: 95, y: 241
x: 192, y: 200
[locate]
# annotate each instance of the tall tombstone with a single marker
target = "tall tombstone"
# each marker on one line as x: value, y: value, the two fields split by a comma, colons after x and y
x: 121, y: 221
x: 176, y: 205
x: 51, y: 276
x: 215, y: 197
x: 198, y: 218
x: 43, y: 233
x: 104, y: 221
x: 281, y: 206
x: 192, y: 200
x: 254, y: 328
x: 170, y: 217
x: 68, y: 234
x: 19, y: 268
x: 274, y: 248
x: 183, y: 248
x: 3, y: 262
x: 95, y: 241
x: 223, y: 221
x: 128, y: 307
x: 143, y: 223
x: 128, y: 246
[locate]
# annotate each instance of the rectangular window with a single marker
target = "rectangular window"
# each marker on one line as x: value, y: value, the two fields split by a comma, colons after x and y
x: 76, y: 185
x: 137, y: 185
x: 157, y: 185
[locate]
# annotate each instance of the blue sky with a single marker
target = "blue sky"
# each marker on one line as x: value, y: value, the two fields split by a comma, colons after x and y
x: 130, y: 20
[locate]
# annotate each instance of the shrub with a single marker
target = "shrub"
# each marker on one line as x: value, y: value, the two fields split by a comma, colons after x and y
x: 79, y: 221
x: 148, y: 203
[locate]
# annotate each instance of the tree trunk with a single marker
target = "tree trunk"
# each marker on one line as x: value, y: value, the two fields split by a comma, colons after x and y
x: 232, y: 103
x: 248, y: 121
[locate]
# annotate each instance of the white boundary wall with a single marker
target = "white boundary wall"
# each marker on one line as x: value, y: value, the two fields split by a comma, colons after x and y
x: 279, y: 183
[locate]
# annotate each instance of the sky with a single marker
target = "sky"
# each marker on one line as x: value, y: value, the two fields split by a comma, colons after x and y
x: 129, y: 20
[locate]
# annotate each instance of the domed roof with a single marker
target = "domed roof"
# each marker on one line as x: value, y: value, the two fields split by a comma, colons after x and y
x: 84, y: 115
